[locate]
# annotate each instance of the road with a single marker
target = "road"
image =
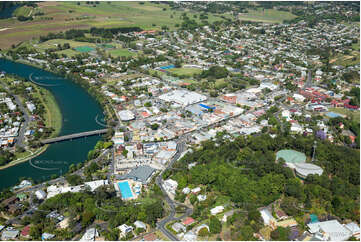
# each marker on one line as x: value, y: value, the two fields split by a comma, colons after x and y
x: 172, y: 204
x: 32, y: 209
x: 21, y: 135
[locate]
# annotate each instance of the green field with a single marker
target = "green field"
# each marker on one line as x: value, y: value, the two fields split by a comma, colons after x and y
x: 23, y: 11
x: 354, y: 114
x: 267, y: 15
x: 61, y: 16
x: 185, y: 71
x: 120, y: 52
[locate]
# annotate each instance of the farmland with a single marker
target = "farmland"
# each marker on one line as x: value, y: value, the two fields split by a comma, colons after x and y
x: 266, y: 15
x: 61, y: 16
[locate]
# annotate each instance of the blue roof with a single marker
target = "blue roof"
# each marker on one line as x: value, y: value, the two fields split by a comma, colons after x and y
x: 205, y: 106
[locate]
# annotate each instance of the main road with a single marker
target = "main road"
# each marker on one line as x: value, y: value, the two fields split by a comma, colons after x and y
x: 172, y: 204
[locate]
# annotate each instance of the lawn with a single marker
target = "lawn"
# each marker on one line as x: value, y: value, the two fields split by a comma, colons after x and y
x: 354, y: 114
x: 54, y: 42
x: 266, y: 15
x: 185, y: 71
x: 70, y: 15
x: 120, y: 52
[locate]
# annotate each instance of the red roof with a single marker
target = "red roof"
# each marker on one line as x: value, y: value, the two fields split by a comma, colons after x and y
x: 188, y: 221
x: 25, y: 231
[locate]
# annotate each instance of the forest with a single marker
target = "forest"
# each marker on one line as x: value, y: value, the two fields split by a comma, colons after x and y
x: 245, y: 171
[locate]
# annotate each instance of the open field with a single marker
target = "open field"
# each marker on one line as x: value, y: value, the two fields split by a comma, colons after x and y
x: 185, y: 71
x: 23, y: 11
x: 354, y: 114
x: 120, y: 52
x: 267, y: 15
x: 61, y: 16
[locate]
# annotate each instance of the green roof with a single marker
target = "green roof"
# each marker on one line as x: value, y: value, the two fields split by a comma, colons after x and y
x: 291, y: 156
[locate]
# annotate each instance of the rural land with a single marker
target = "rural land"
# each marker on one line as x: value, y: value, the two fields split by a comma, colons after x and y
x: 180, y: 121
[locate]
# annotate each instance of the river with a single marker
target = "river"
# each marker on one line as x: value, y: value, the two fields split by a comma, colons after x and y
x: 79, y: 111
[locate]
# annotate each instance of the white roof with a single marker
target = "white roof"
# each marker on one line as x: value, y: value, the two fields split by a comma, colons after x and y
x: 332, y: 229
x: 306, y: 169
x: 90, y: 235
x: 266, y: 216
x: 353, y: 227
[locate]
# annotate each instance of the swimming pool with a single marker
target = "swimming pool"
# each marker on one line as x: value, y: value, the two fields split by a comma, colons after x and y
x: 125, y: 189
x: 333, y: 115
x: 167, y: 67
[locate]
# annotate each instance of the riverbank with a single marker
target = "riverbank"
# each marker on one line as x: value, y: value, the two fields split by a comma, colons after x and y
x: 53, y: 119
x: 21, y: 160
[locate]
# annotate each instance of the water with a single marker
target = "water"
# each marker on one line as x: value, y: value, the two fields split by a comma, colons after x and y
x: 125, y: 189
x: 79, y: 111
x: 8, y: 12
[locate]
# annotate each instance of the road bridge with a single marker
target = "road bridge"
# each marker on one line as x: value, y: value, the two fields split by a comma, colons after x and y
x: 74, y: 136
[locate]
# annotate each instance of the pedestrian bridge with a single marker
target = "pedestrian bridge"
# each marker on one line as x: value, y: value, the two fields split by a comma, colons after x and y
x: 74, y: 136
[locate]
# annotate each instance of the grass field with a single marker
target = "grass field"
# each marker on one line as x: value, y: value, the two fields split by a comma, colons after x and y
x: 120, y: 52
x: 185, y: 71
x: 53, y: 115
x: 23, y: 11
x: 354, y: 114
x: 268, y: 15
x: 69, y: 15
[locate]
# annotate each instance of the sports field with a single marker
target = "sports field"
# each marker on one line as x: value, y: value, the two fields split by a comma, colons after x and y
x: 61, y: 16
x: 266, y: 15
x: 185, y: 71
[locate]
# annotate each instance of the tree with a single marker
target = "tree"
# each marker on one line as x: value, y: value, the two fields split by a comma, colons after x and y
x: 203, y: 232
x: 74, y: 180
x: 280, y: 234
x: 215, y: 225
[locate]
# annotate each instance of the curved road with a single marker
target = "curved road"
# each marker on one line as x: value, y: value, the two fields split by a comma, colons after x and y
x: 172, y: 204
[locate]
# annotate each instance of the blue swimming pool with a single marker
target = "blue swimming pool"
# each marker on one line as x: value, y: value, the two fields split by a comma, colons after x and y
x: 125, y: 189
x: 167, y: 67
x: 333, y: 115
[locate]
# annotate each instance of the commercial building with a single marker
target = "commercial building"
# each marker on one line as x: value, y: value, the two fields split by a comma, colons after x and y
x: 183, y: 97
x: 329, y: 230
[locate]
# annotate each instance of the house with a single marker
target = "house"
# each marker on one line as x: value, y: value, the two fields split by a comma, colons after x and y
x: 47, y: 236
x: 25, y: 232
x: 124, y: 229
x: 217, y: 210
x: 201, y: 197
x: 186, y: 190
x: 170, y: 186
x: 177, y: 227
x: 354, y: 228
x: 267, y: 217
x: 329, y: 230
x: 190, y: 236
x: 90, y: 235
x: 140, y: 224
x: 40, y: 194
x: 281, y: 215
x: 196, y: 190
x: 188, y: 221
x: 10, y: 234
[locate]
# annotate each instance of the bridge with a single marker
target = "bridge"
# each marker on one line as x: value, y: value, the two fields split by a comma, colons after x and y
x: 74, y: 136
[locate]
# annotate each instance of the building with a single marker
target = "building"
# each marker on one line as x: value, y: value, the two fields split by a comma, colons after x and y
x: 47, y: 236
x: 124, y: 229
x: 217, y: 210
x: 183, y: 97
x: 10, y: 234
x: 178, y: 227
x: 140, y: 224
x: 126, y: 115
x: 267, y: 217
x: 201, y: 227
x: 329, y: 230
x: 90, y: 235
x: 305, y: 169
x: 170, y: 186
x: 190, y: 236
x: 25, y: 232
x: 140, y: 173
x: 188, y: 221
x: 354, y: 228
x: 93, y: 185
x: 40, y: 194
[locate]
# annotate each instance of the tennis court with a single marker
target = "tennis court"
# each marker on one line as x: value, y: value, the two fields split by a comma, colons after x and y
x: 84, y: 49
